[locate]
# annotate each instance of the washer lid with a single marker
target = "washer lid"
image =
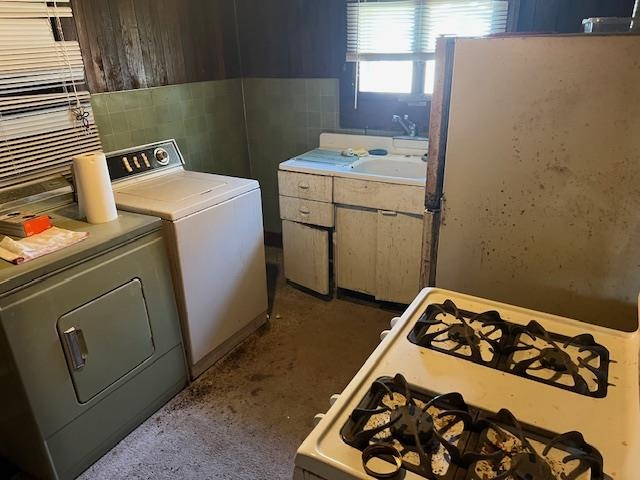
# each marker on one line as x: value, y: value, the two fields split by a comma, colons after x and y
x: 178, y: 193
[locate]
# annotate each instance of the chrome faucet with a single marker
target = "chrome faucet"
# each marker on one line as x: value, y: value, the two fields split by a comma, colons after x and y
x: 407, y: 125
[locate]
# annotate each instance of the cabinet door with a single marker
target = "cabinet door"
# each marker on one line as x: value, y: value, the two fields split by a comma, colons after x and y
x: 355, y: 254
x: 306, y: 256
x: 399, y: 248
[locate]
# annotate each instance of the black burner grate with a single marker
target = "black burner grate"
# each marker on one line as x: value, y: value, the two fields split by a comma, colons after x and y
x: 440, y: 437
x: 577, y: 364
x: 479, y: 338
x: 427, y: 429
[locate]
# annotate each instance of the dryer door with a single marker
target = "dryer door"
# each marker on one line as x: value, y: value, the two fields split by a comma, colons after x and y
x: 106, y: 338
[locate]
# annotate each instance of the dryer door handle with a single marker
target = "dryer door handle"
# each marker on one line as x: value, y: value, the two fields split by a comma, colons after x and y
x: 75, y: 348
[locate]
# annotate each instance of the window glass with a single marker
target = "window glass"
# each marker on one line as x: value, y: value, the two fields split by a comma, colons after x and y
x: 429, y: 76
x: 386, y: 76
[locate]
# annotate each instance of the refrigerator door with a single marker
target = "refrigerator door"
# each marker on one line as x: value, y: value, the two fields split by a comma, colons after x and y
x: 542, y: 175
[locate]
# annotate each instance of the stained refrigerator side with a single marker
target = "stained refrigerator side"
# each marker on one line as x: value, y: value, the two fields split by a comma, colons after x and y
x: 542, y: 175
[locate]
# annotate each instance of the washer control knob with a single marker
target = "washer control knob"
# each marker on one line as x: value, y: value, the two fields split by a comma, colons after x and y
x: 383, y: 334
x: 162, y: 156
x: 393, y: 321
x: 317, y: 418
x: 334, y: 398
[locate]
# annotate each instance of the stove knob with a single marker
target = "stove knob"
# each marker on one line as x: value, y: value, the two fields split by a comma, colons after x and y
x: 127, y: 165
x: 334, y: 398
x: 162, y: 156
x: 384, y: 334
x: 136, y: 162
x: 146, y: 160
x: 317, y: 418
x: 393, y: 321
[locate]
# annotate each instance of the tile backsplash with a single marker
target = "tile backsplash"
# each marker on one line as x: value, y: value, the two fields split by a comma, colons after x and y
x: 285, y: 118
x: 218, y: 132
x: 205, y: 118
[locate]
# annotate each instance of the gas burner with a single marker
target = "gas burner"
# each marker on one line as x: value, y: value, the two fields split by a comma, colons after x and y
x: 507, y: 450
x: 476, y: 337
x: 429, y: 431
x: 439, y: 437
x: 578, y: 364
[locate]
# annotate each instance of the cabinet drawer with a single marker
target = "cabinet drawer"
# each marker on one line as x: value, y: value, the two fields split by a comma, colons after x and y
x: 379, y: 195
x: 305, y: 185
x: 306, y: 211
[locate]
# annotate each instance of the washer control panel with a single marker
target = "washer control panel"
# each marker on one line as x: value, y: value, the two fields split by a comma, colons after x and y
x: 143, y: 159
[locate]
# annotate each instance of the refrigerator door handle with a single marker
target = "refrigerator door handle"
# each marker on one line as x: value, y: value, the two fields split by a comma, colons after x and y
x: 442, y: 208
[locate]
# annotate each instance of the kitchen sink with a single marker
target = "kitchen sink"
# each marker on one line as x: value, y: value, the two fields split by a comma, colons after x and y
x: 403, y: 166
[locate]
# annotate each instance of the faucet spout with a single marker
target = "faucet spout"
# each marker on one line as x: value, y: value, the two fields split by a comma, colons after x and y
x: 407, y: 125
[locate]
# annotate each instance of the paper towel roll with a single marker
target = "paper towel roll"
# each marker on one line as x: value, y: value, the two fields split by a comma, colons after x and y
x: 93, y: 186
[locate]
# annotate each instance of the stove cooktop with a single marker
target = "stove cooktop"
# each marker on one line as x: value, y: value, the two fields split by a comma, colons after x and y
x: 578, y: 364
x: 441, y: 437
x: 495, y: 418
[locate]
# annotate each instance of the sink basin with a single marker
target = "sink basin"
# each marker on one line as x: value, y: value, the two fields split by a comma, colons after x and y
x: 392, y: 166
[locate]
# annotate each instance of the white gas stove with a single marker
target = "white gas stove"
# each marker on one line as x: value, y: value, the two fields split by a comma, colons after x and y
x: 469, y: 389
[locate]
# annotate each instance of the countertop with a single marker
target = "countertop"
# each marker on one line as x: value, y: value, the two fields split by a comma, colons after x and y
x: 399, y: 149
x: 346, y: 171
x: 102, y: 237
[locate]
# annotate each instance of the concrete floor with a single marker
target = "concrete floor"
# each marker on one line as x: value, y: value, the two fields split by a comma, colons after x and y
x: 245, y: 417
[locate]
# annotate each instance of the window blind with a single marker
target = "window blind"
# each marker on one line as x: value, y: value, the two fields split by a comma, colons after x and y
x: 408, y: 29
x: 45, y: 109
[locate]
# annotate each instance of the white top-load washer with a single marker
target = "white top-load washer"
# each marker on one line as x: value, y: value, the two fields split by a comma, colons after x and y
x: 213, y: 226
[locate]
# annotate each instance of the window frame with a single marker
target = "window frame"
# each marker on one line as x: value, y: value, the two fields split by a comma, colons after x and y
x: 375, y: 109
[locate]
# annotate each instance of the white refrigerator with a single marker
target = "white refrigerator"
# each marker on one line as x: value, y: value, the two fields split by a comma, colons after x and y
x: 533, y: 187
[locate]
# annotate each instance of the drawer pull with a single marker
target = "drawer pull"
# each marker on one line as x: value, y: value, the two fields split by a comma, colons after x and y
x: 75, y: 348
x: 304, y: 211
x: 388, y: 213
x: 303, y: 186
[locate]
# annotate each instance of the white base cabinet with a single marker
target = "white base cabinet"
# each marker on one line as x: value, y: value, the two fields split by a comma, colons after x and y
x: 378, y: 252
x: 306, y: 255
x: 377, y: 234
x: 398, y: 256
x: 306, y: 210
x: 355, y: 249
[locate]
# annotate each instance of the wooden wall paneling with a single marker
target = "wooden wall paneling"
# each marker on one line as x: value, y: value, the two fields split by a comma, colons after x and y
x: 136, y: 43
x: 177, y: 46
x: 125, y: 25
x: 190, y: 21
x: 232, y: 49
x: 129, y: 44
x: 526, y: 16
x: 94, y: 66
x: 69, y: 29
x: 153, y: 57
x: 207, y: 33
x: 107, y: 45
x: 263, y: 51
x: 292, y: 38
x: 546, y: 15
x: 565, y: 16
